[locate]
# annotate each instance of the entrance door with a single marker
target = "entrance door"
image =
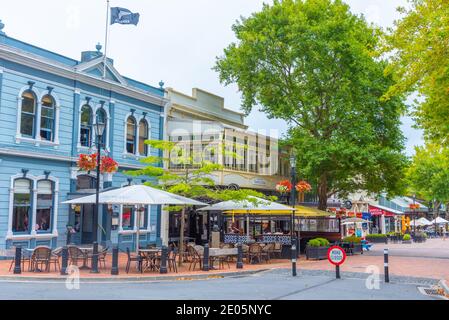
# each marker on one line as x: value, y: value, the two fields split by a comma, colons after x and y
x: 87, y: 229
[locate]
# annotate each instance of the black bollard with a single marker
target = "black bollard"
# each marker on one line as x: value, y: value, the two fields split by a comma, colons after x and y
x: 95, y: 259
x: 18, y: 261
x: 337, y: 272
x: 114, y: 269
x: 387, y: 275
x: 294, y: 258
x: 65, y: 261
x: 240, y: 256
x: 206, y: 258
x: 164, y: 256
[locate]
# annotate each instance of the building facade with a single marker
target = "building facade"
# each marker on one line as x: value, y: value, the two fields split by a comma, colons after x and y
x: 49, y: 105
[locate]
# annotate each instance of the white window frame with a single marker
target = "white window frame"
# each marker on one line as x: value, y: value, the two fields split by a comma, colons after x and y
x: 37, y: 138
x: 33, y: 234
x: 142, y: 118
x: 94, y: 107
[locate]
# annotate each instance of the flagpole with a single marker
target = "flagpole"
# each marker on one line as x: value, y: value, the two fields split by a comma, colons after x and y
x: 106, y: 39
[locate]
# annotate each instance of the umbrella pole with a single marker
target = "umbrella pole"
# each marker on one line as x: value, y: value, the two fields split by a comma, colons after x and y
x: 138, y: 230
x: 181, y: 236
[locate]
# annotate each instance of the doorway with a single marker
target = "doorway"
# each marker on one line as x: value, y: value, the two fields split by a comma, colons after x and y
x: 84, y: 224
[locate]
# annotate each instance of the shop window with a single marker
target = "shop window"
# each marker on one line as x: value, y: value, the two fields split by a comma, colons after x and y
x: 128, y: 218
x: 44, y: 206
x: 22, y: 206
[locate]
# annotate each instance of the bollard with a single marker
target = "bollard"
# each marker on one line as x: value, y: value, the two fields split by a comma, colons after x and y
x: 95, y: 259
x: 114, y: 269
x: 240, y: 256
x: 294, y: 258
x: 18, y: 261
x: 164, y: 256
x: 65, y: 261
x: 206, y: 258
x: 337, y: 272
x: 387, y: 276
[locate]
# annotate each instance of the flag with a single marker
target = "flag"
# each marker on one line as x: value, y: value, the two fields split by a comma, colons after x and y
x: 124, y: 16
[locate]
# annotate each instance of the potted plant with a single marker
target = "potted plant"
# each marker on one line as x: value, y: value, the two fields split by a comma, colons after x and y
x: 377, y: 238
x: 317, y: 249
x: 407, y: 239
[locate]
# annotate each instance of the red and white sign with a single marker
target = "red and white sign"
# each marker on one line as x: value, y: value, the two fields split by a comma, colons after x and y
x: 336, y: 255
x: 375, y: 211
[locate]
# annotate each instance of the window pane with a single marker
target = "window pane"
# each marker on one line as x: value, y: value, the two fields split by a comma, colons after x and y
x: 28, y: 103
x: 86, y: 115
x: 85, y: 137
x: 21, y: 205
x: 131, y: 135
x: 127, y: 218
x: 43, y: 212
x: 47, y: 112
x: 27, y: 125
x: 143, y: 136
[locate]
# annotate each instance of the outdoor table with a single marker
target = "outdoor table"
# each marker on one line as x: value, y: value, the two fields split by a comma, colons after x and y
x: 149, y: 256
x: 86, y: 251
x: 221, y: 253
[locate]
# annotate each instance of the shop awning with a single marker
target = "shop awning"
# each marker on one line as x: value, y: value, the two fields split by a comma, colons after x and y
x: 378, y: 210
x: 301, y: 211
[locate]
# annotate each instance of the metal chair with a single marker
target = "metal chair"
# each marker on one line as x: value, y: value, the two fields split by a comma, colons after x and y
x: 76, y: 254
x: 131, y: 258
x: 41, y: 257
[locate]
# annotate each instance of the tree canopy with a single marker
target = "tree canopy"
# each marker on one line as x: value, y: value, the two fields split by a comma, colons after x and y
x: 418, y: 50
x: 312, y: 64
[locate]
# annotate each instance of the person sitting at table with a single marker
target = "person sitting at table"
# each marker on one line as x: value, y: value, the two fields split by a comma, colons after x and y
x: 235, y: 228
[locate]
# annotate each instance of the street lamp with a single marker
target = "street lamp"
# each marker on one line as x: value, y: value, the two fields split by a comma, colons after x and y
x: 99, y: 131
x: 414, y: 215
x: 293, y: 203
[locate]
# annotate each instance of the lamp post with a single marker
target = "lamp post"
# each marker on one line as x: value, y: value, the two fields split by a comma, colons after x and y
x: 414, y: 215
x: 99, y: 131
x: 293, y: 203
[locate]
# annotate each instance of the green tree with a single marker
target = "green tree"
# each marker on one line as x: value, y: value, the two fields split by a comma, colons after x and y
x: 193, y: 181
x: 418, y: 50
x: 311, y: 63
x: 428, y: 174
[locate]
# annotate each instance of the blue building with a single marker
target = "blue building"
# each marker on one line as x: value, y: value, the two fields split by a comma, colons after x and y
x: 49, y: 104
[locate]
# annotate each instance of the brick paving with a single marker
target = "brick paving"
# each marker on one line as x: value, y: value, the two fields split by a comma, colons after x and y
x: 426, y: 260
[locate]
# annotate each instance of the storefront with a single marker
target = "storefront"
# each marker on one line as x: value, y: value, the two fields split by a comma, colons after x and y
x: 385, y: 220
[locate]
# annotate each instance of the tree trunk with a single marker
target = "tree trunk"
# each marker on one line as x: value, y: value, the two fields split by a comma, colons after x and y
x: 436, y: 209
x: 181, y: 236
x: 322, y: 192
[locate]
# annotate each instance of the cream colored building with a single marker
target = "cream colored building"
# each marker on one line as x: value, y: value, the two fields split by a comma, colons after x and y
x: 202, y: 126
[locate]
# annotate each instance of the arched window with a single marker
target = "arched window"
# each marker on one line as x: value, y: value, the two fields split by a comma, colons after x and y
x: 28, y: 114
x: 44, y: 206
x: 47, y: 118
x: 86, y: 126
x: 143, y: 136
x: 131, y: 128
x: 22, y: 206
x: 103, y: 118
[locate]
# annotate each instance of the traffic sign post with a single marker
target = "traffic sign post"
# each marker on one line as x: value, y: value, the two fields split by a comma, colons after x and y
x: 337, y: 256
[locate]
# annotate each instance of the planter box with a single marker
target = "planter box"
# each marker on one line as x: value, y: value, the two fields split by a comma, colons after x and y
x: 319, y: 253
x: 377, y: 240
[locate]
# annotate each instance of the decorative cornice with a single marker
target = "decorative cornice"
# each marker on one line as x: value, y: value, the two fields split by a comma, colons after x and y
x: 33, y: 61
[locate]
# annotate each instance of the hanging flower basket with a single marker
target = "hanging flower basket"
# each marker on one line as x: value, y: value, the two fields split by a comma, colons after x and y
x: 284, y: 186
x: 414, y: 206
x: 303, y: 187
x: 108, y: 165
x: 87, y: 162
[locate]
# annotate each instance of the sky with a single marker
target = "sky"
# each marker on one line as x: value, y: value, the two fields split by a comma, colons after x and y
x: 176, y: 41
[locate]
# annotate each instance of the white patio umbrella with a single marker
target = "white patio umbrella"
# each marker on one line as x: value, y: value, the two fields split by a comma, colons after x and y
x: 245, y: 205
x: 417, y: 223
x: 138, y: 195
x: 439, y: 220
x: 424, y: 221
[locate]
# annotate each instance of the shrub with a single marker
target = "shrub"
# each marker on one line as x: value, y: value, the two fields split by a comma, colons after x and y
x: 376, y: 236
x: 352, y: 239
x: 318, y: 242
x: 407, y: 237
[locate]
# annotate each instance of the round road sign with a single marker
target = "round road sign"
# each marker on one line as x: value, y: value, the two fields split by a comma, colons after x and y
x: 336, y: 255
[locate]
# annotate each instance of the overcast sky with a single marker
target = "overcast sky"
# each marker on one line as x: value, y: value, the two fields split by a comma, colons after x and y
x: 176, y: 41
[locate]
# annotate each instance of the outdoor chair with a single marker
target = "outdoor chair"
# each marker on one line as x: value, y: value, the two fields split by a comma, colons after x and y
x: 195, y: 258
x: 75, y: 255
x: 54, y: 258
x: 277, y: 250
x: 255, y: 252
x: 138, y: 259
x: 40, y: 258
x: 171, y: 261
x: 26, y: 258
x: 268, y: 249
x: 102, y: 257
